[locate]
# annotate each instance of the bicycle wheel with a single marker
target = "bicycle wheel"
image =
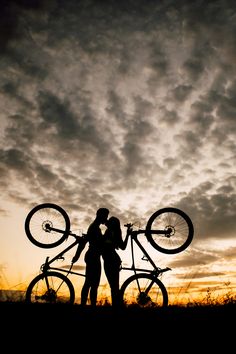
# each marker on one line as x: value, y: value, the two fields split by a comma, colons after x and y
x: 179, y: 229
x: 50, y: 287
x: 39, y: 221
x: 144, y: 290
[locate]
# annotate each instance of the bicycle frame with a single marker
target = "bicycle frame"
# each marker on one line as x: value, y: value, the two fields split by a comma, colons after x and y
x: 134, y: 238
x: 156, y: 270
x: 47, y: 265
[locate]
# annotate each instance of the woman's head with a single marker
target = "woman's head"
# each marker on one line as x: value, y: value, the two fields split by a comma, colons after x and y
x: 113, y: 223
x: 114, y: 231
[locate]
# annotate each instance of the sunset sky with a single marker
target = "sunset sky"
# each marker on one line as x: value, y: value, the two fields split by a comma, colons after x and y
x: 129, y: 105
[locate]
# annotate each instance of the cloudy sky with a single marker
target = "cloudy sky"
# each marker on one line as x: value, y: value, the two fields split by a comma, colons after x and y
x: 125, y: 104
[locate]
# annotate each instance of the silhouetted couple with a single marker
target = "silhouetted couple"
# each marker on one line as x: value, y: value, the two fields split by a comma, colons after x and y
x: 105, y: 245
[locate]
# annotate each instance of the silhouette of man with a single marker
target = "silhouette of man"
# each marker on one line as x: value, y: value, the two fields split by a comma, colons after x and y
x: 93, y: 258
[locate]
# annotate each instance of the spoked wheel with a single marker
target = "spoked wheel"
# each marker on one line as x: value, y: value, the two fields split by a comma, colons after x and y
x: 144, y: 290
x: 50, y: 287
x: 47, y: 225
x: 178, y: 230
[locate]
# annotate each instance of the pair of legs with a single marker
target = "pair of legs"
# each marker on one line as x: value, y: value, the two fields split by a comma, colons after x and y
x: 92, y: 280
x: 112, y: 271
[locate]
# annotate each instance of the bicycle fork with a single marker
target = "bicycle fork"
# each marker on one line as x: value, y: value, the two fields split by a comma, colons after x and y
x: 50, y: 294
x: 143, y: 297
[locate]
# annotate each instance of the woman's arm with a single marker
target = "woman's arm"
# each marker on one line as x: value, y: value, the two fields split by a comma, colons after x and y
x: 124, y: 242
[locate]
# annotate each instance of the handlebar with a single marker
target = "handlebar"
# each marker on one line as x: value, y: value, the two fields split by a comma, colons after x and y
x: 129, y: 225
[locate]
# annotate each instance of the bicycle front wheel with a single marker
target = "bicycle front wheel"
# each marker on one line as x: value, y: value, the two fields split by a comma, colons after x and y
x: 144, y: 290
x: 47, y: 225
x: 179, y: 230
x: 50, y: 287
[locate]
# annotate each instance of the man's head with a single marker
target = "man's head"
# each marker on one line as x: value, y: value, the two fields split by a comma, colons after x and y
x: 102, y: 215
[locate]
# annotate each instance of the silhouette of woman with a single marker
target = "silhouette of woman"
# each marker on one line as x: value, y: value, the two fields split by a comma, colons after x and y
x: 93, y: 258
x: 112, y: 241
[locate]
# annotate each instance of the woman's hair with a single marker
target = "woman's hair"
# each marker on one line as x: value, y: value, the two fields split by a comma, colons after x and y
x: 113, y: 224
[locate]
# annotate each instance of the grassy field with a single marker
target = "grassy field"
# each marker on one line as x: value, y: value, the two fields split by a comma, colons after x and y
x: 137, y: 323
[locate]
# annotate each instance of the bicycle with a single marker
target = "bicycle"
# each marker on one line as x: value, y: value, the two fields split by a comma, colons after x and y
x: 169, y: 230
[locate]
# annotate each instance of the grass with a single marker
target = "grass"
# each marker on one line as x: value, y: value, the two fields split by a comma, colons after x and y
x: 139, y: 329
x: 209, y: 298
x: 206, y: 322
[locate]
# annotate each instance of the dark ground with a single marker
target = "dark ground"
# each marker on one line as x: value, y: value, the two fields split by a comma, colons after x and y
x: 73, y: 326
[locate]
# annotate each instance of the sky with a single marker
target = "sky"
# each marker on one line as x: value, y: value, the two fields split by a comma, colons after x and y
x: 129, y: 105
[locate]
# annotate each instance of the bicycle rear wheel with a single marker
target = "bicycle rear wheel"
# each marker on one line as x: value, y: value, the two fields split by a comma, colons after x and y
x: 144, y: 290
x: 50, y: 287
x: 179, y: 229
x: 39, y: 221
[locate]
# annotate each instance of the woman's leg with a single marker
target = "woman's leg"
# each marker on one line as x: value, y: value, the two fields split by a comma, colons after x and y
x: 112, y: 272
x: 115, y: 291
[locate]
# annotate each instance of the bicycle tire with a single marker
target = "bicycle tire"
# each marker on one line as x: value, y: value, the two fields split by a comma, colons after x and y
x: 181, y: 230
x: 36, y: 225
x: 134, y: 291
x: 59, y: 289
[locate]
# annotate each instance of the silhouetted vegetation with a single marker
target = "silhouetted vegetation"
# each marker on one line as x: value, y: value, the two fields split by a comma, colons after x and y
x: 132, y: 326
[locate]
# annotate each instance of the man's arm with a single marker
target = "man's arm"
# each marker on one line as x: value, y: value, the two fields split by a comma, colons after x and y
x: 80, y: 248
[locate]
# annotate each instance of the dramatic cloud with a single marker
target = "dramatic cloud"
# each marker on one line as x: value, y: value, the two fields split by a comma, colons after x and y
x: 127, y: 104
